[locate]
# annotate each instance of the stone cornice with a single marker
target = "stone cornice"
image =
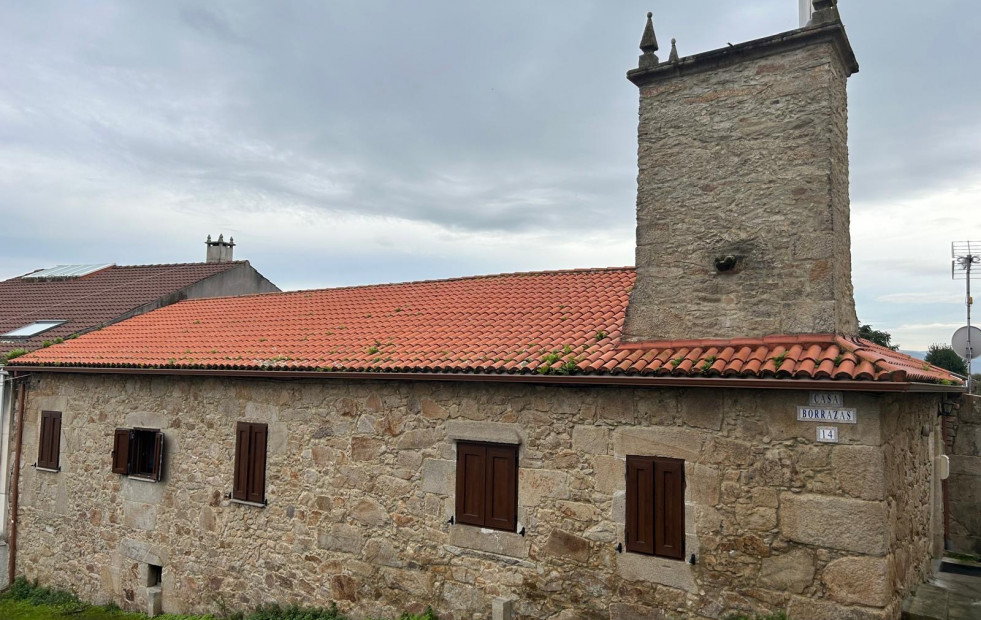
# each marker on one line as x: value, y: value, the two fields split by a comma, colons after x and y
x: 833, y: 33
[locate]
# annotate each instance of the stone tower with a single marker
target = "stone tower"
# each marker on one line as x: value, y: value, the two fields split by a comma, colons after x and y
x: 742, y: 197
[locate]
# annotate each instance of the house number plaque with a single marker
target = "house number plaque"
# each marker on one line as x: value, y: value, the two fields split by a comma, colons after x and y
x: 827, y: 434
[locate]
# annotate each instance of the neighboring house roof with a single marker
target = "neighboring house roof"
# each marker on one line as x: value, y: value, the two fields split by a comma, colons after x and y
x: 540, y: 323
x: 85, y: 302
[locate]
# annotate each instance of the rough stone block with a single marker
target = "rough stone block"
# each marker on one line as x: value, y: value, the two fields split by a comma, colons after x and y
x: 438, y: 476
x: 579, y: 511
x: 703, y: 408
x: 791, y: 572
x: 569, y: 546
x: 671, y: 573
x: 416, y: 439
x: 860, y: 471
x: 370, y: 512
x: 859, y: 580
x: 835, y: 522
x: 817, y: 609
x: 591, y: 439
x: 756, y: 518
x: 667, y: 441
x: 624, y: 611
x: 610, y: 474
x: 341, y: 537
x: 537, y: 484
x: 365, y: 448
x: 140, y: 516
x: 703, y: 484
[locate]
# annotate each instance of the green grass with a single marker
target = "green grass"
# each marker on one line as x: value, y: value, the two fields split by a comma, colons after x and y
x: 28, y: 601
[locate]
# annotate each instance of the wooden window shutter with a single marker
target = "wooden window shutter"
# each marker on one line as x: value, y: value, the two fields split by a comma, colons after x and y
x: 121, y: 442
x: 49, y: 445
x: 471, y: 494
x: 501, y: 484
x: 639, y: 527
x: 669, y: 506
x: 158, y: 456
x: 256, y: 491
x: 240, y: 489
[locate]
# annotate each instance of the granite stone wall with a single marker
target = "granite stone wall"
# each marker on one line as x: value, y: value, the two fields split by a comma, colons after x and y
x: 745, y: 157
x: 360, y: 485
x: 964, y: 484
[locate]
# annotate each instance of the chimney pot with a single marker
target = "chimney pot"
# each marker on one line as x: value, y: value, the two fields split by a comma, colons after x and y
x: 220, y: 251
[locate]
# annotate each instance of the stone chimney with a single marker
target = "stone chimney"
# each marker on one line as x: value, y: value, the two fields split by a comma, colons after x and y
x: 220, y: 251
x: 742, y: 197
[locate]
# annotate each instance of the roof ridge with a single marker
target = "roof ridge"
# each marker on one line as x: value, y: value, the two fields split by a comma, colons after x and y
x: 189, y: 264
x: 122, y: 285
x: 352, y: 287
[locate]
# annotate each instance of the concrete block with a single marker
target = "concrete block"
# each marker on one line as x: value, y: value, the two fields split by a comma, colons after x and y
x: 502, y: 609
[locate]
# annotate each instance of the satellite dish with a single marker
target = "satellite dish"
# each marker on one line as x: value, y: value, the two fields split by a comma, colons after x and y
x: 959, y: 342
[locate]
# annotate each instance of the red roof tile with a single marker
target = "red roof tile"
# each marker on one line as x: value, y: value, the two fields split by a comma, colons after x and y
x: 562, y: 322
x: 92, y: 300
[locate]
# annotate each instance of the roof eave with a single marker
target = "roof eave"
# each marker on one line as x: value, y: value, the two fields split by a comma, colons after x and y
x: 566, y: 380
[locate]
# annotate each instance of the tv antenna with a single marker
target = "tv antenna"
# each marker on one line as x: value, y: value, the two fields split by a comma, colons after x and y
x: 966, y: 254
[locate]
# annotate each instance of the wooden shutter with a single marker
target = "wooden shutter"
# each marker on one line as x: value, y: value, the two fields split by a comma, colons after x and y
x: 49, y: 445
x: 639, y: 528
x: 158, y: 456
x: 121, y: 442
x: 256, y: 488
x: 501, y: 484
x: 240, y: 487
x: 471, y: 493
x: 669, y: 507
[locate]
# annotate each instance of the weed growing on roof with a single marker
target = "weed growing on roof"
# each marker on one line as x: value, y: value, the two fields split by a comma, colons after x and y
x: 73, y: 337
x: 172, y: 362
x: 12, y: 354
x: 46, y: 344
x: 674, y: 363
x: 707, y: 364
x: 778, y: 359
x: 838, y: 360
x: 262, y: 339
x: 600, y: 335
x: 399, y: 309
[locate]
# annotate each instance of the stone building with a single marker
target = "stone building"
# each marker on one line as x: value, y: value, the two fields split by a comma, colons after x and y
x: 699, y: 435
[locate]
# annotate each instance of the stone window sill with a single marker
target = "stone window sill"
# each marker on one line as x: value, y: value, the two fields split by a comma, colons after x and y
x: 47, y: 469
x: 242, y: 502
x: 142, y: 479
x: 498, y: 542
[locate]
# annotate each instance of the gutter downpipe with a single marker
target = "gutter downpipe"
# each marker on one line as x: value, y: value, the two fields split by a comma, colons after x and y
x: 15, y: 490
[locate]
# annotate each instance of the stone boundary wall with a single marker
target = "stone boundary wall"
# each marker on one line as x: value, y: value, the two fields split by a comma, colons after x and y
x: 964, y: 484
x: 360, y: 485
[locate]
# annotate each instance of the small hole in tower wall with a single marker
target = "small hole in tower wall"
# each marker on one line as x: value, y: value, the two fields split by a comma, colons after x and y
x: 154, y: 575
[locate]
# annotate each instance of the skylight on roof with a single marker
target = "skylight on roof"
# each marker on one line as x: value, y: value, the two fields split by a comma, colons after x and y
x: 65, y: 271
x: 33, y: 329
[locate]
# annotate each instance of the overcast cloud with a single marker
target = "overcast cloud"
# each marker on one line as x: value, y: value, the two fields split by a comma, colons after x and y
x: 351, y: 142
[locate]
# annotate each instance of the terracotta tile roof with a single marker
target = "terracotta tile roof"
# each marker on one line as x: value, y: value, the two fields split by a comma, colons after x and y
x: 561, y: 322
x: 92, y: 300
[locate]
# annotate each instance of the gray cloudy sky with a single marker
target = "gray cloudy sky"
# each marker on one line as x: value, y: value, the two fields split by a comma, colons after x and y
x: 351, y: 142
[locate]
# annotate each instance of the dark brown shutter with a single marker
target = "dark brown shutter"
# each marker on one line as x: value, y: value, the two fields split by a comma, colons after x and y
x: 49, y: 444
x: 120, y: 450
x: 471, y: 471
x: 640, y: 504
x: 158, y: 456
x: 501, y: 488
x: 257, y: 463
x: 240, y: 486
x: 669, y: 505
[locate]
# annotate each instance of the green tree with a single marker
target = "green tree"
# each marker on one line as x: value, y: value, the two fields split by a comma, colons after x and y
x: 943, y: 356
x: 879, y: 337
